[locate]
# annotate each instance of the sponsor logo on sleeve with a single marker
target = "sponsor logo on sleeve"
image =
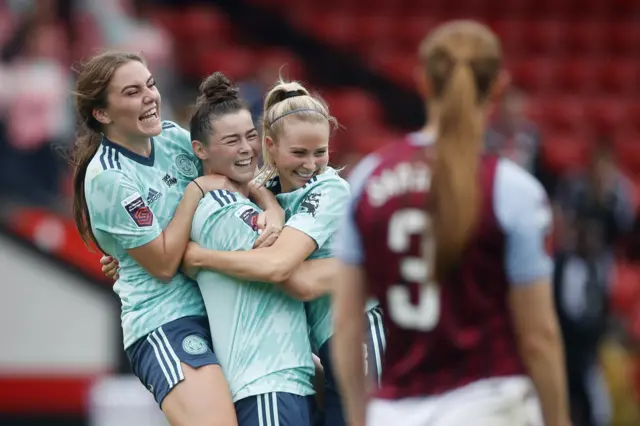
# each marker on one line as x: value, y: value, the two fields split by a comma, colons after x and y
x: 138, y: 210
x: 249, y: 216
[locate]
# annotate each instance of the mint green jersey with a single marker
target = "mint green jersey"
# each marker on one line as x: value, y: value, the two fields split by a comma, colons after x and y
x: 315, y: 209
x: 131, y: 199
x: 259, y: 333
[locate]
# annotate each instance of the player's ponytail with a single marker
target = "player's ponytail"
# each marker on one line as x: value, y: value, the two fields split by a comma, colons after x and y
x: 462, y: 60
x: 288, y: 99
x: 92, y: 83
x: 455, y: 194
x: 218, y: 97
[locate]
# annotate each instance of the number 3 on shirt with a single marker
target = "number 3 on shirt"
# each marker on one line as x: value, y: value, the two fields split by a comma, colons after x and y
x: 413, y: 270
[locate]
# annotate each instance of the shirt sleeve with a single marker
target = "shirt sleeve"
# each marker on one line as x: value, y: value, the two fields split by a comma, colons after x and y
x: 117, y: 208
x: 523, y: 211
x: 348, y: 244
x: 229, y: 229
x: 320, y: 209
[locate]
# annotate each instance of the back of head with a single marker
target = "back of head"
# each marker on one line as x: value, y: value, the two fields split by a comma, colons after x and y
x: 92, y: 83
x: 289, y: 100
x: 218, y: 97
x: 462, y: 60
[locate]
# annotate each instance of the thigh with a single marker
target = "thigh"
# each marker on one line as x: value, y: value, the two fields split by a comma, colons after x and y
x: 276, y: 409
x: 374, y: 345
x: 177, y: 365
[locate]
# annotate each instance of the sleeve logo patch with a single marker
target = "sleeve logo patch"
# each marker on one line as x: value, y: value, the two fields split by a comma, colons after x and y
x: 138, y: 210
x: 310, y: 204
x: 249, y: 216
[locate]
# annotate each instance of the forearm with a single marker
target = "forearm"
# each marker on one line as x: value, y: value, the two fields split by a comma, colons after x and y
x: 349, y: 367
x: 544, y: 361
x: 314, y: 278
x: 255, y: 265
x: 176, y: 235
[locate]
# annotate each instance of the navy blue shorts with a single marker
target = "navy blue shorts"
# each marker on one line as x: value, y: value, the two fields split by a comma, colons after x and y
x: 375, y: 342
x: 156, y: 359
x: 275, y: 409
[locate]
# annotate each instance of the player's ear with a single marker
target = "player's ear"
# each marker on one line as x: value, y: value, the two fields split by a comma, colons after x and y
x: 500, y: 85
x: 269, y: 142
x: 101, y: 116
x: 199, y: 150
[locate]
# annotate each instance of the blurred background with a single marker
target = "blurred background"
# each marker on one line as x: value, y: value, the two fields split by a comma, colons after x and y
x: 572, y: 118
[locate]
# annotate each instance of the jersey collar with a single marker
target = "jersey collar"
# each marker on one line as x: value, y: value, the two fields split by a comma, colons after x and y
x: 145, y: 161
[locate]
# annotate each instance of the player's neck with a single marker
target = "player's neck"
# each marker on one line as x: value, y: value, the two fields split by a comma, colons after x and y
x: 243, y: 188
x: 141, y: 146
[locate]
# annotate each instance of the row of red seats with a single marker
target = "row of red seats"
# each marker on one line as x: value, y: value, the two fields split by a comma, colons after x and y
x: 477, y: 8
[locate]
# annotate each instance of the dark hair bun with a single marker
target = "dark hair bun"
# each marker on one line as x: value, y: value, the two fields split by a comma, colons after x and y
x: 217, y: 88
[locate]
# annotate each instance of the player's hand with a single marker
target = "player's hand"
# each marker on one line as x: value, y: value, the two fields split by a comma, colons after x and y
x: 190, y: 254
x: 110, y: 267
x: 270, y: 225
x: 213, y: 182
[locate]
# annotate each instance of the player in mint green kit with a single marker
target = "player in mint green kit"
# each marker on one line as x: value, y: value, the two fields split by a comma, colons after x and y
x: 296, y: 130
x: 259, y: 332
x: 136, y: 189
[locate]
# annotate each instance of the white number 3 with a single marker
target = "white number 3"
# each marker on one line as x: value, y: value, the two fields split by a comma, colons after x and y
x: 414, y: 270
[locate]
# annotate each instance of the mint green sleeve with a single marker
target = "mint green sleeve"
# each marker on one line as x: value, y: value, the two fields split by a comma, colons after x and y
x: 117, y: 208
x: 321, y: 209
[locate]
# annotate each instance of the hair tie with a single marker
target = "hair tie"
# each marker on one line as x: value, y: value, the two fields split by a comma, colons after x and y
x: 292, y: 94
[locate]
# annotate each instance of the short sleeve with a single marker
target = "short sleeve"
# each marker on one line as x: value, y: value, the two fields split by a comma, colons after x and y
x: 523, y: 211
x: 347, y: 245
x: 320, y: 209
x: 229, y: 229
x: 117, y: 208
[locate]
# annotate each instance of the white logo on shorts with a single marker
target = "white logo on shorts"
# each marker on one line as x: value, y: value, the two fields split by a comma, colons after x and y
x: 194, y: 345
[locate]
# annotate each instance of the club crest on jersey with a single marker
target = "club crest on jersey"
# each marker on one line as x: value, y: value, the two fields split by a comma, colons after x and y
x: 310, y: 204
x: 169, y: 180
x: 249, y: 216
x: 186, y: 166
x: 138, y: 210
x: 194, y: 345
x: 153, y: 195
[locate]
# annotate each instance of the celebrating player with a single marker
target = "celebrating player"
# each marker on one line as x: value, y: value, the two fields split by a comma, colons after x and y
x: 136, y: 189
x: 259, y: 332
x: 452, y: 242
x: 296, y: 134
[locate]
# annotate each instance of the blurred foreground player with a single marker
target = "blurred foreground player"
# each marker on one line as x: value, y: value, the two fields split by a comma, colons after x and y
x: 452, y: 243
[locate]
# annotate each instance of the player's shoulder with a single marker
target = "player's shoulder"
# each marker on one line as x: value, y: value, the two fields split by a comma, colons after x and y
x: 513, y: 180
x: 330, y: 179
x: 107, y: 165
x: 221, y: 199
x: 173, y: 132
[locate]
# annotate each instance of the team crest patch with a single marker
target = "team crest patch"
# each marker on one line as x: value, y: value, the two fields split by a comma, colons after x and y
x: 194, y: 345
x: 186, y: 166
x: 310, y: 204
x: 249, y: 216
x: 138, y: 210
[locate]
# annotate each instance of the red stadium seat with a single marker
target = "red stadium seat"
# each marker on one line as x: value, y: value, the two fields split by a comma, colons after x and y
x: 565, y: 152
x: 235, y: 61
x: 397, y: 65
x: 576, y: 76
x: 543, y: 36
x: 411, y: 30
x: 511, y: 34
x: 622, y: 38
x: 583, y: 38
x: 535, y: 74
x: 565, y: 114
x: 353, y: 107
x: 604, y: 115
x: 373, y: 30
x: 620, y: 76
x: 626, y: 148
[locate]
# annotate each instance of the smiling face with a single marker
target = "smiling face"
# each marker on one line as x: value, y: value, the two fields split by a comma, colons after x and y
x: 301, y: 151
x: 232, y: 150
x: 133, y: 105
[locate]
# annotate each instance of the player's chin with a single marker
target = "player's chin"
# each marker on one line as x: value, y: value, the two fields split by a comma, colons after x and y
x: 242, y: 174
x: 150, y: 129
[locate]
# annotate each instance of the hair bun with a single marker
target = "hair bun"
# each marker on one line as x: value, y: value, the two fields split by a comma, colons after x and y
x: 217, y: 88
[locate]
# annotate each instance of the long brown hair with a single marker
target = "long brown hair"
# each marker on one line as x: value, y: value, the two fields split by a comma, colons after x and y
x: 462, y: 60
x: 90, y: 93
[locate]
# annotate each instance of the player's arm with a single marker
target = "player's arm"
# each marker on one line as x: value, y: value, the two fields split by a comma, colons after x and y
x: 314, y: 278
x: 303, y: 234
x: 349, y: 295
x: 122, y: 212
x: 527, y: 224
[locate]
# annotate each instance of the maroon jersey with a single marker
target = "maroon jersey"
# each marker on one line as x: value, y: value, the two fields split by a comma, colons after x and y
x: 441, y: 335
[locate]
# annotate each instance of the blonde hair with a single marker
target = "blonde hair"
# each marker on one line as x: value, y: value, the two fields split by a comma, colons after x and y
x: 462, y: 60
x: 288, y: 100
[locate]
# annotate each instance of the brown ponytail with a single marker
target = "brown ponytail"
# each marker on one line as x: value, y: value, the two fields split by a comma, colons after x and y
x: 91, y: 93
x: 462, y: 60
x: 454, y: 187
